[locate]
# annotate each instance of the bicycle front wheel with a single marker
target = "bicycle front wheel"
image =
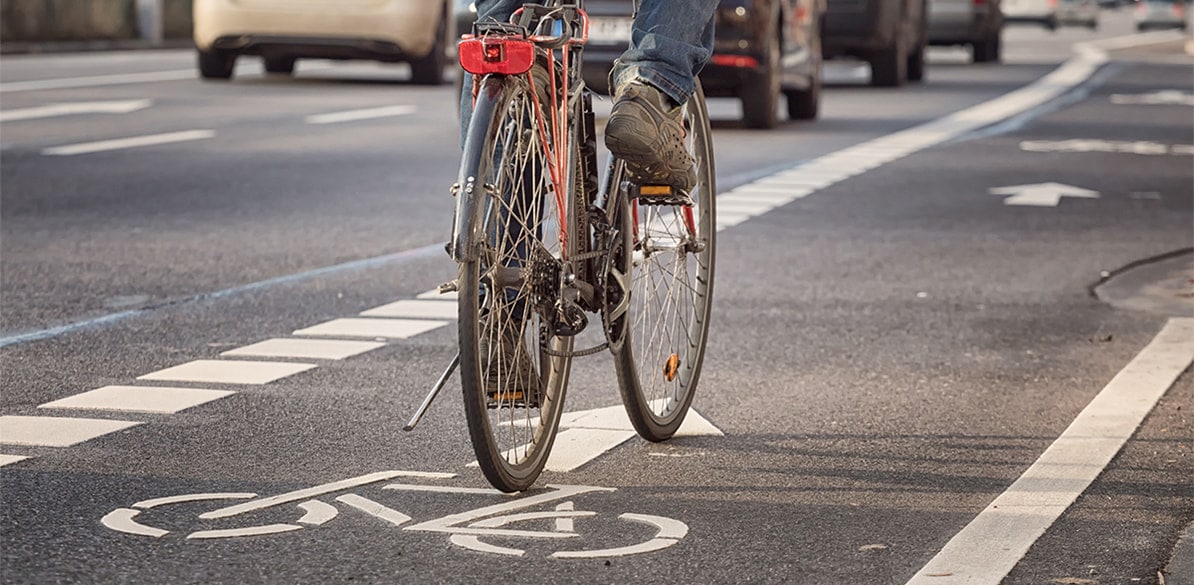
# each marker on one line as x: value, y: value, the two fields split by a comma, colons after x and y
x: 658, y: 339
x: 514, y: 369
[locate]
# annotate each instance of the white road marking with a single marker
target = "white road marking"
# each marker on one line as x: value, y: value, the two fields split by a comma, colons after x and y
x: 185, y: 498
x: 123, y: 520
x: 365, y: 114
x: 670, y: 532
x: 1142, y: 147
x: 139, y: 399
x: 8, y: 459
x: 435, y: 294
x: 394, y: 517
x: 132, y: 142
x: 68, y: 109
x: 369, y: 327
x: 988, y: 548
x: 317, y: 512
x: 50, y: 431
x: 415, y: 309
x: 1164, y: 97
x: 250, y: 531
x: 302, y: 494
x: 1042, y: 194
x: 228, y: 372
x: 318, y: 349
x: 96, y: 80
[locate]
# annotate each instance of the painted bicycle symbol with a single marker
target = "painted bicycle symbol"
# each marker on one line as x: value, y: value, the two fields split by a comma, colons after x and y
x: 472, y: 529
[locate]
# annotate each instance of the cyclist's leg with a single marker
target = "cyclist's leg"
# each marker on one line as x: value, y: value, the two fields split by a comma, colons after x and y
x: 655, y: 76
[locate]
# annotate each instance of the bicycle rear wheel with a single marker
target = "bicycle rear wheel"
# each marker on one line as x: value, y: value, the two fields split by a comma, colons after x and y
x: 659, y: 329
x: 514, y: 370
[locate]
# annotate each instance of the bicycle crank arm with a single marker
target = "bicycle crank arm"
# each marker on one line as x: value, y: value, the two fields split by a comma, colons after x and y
x: 439, y: 384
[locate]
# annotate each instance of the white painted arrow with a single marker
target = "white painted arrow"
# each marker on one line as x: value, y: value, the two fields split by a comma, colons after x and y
x: 52, y: 110
x: 1042, y: 194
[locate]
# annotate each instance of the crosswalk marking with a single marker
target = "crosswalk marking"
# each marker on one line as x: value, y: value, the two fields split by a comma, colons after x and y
x: 416, y: 309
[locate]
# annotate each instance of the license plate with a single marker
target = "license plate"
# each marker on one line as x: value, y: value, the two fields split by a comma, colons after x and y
x: 609, y: 30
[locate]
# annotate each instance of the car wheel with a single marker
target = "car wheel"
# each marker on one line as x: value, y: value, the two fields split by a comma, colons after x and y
x: 1051, y: 24
x: 279, y: 65
x: 1093, y: 25
x: 429, y: 70
x: 987, y: 50
x: 760, y: 95
x: 804, y: 104
x: 216, y: 64
x: 890, y: 68
x: 916, y: 64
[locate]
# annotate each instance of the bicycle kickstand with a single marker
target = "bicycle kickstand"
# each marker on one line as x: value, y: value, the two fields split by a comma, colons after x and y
x: 439, y: 384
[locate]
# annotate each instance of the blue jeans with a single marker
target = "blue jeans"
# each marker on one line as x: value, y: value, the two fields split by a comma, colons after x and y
x: 670, y: 42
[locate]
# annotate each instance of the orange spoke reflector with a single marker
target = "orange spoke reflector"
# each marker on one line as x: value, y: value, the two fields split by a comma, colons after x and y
x: 672, y: 367
x: 506, y: 396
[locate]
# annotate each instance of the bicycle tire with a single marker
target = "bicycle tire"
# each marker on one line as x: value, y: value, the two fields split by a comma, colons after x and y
x: 505, y: 291
x: 666, y: 313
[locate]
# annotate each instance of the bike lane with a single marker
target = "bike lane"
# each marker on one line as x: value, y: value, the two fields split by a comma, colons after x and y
x: 765, y: 541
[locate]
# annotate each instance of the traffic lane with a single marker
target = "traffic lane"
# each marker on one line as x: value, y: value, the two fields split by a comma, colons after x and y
x: 257, y: 201
x: 178, y: 213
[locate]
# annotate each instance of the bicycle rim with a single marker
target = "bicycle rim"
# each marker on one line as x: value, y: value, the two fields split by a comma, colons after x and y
x: 513, y: 384
x: 670, y: 268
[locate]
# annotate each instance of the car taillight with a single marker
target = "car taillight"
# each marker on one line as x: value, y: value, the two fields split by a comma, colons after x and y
x: 1178, y: 10
x: 735, y: 61
x: 508, y: 56
x: 980, y: 2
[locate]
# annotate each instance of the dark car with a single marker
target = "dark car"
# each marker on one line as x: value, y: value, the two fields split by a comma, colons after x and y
x: 762, y: 49
x: 890, y: 35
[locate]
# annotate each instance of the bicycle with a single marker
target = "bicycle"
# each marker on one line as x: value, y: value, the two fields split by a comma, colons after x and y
x: 541, y: 241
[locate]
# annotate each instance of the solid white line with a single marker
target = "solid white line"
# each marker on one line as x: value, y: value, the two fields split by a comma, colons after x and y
x: 365, y: 114
x: 132, y: 142
x: 988, y: 548
x: 97, y: 80
x: 139, y: 399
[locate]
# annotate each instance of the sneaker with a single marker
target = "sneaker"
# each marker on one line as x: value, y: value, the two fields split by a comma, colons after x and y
x: 511, y: 378
x: 647, y: 132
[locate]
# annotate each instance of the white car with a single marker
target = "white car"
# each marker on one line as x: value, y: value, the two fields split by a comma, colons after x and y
x: 1043, y: 12
x: 1160, y: 14
x: 281, y: 31
x: 1079, y: 12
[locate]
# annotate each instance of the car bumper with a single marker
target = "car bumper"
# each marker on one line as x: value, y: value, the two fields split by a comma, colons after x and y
x: 348, y: 28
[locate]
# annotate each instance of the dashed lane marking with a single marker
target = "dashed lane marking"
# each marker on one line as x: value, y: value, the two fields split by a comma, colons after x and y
x: 364, y: 114
x: 228, y: 372
x: 49, y: 431
x: 131, y: 142
x: 316, y: 349
x: 388, y: 328
x: 416, y: 309
x: 139, y: 399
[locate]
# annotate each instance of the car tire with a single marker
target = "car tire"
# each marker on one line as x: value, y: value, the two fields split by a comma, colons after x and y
x: 279, y: 65
x: 805, y: 104
x: 1051, y: 24
x: 889, y: 68
x: 429, y: 70
x: 916, y: 64
x: 987, y: 50
x: 216, y: 64
x: 760, y: 94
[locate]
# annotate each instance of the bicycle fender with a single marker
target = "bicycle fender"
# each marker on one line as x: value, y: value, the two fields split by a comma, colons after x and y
x: 470, y: 197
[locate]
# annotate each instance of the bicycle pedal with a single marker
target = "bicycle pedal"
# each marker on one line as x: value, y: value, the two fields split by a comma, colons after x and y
x: 661, y: 195
x: 509, y: 399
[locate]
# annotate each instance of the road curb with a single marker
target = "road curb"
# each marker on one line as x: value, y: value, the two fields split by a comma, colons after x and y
x: 1162, y: 284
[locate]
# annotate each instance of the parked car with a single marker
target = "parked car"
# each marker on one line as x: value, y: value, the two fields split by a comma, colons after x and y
x: 762, y: 49
x: 411, y: 31
x: 1152, y: 14
x: 1078, y: 13
x: 890, y: 35
x: 976, y: 23
x: 1042, y: 12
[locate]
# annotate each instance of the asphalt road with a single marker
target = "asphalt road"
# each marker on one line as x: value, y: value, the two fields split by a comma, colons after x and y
x: 895, y: 354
